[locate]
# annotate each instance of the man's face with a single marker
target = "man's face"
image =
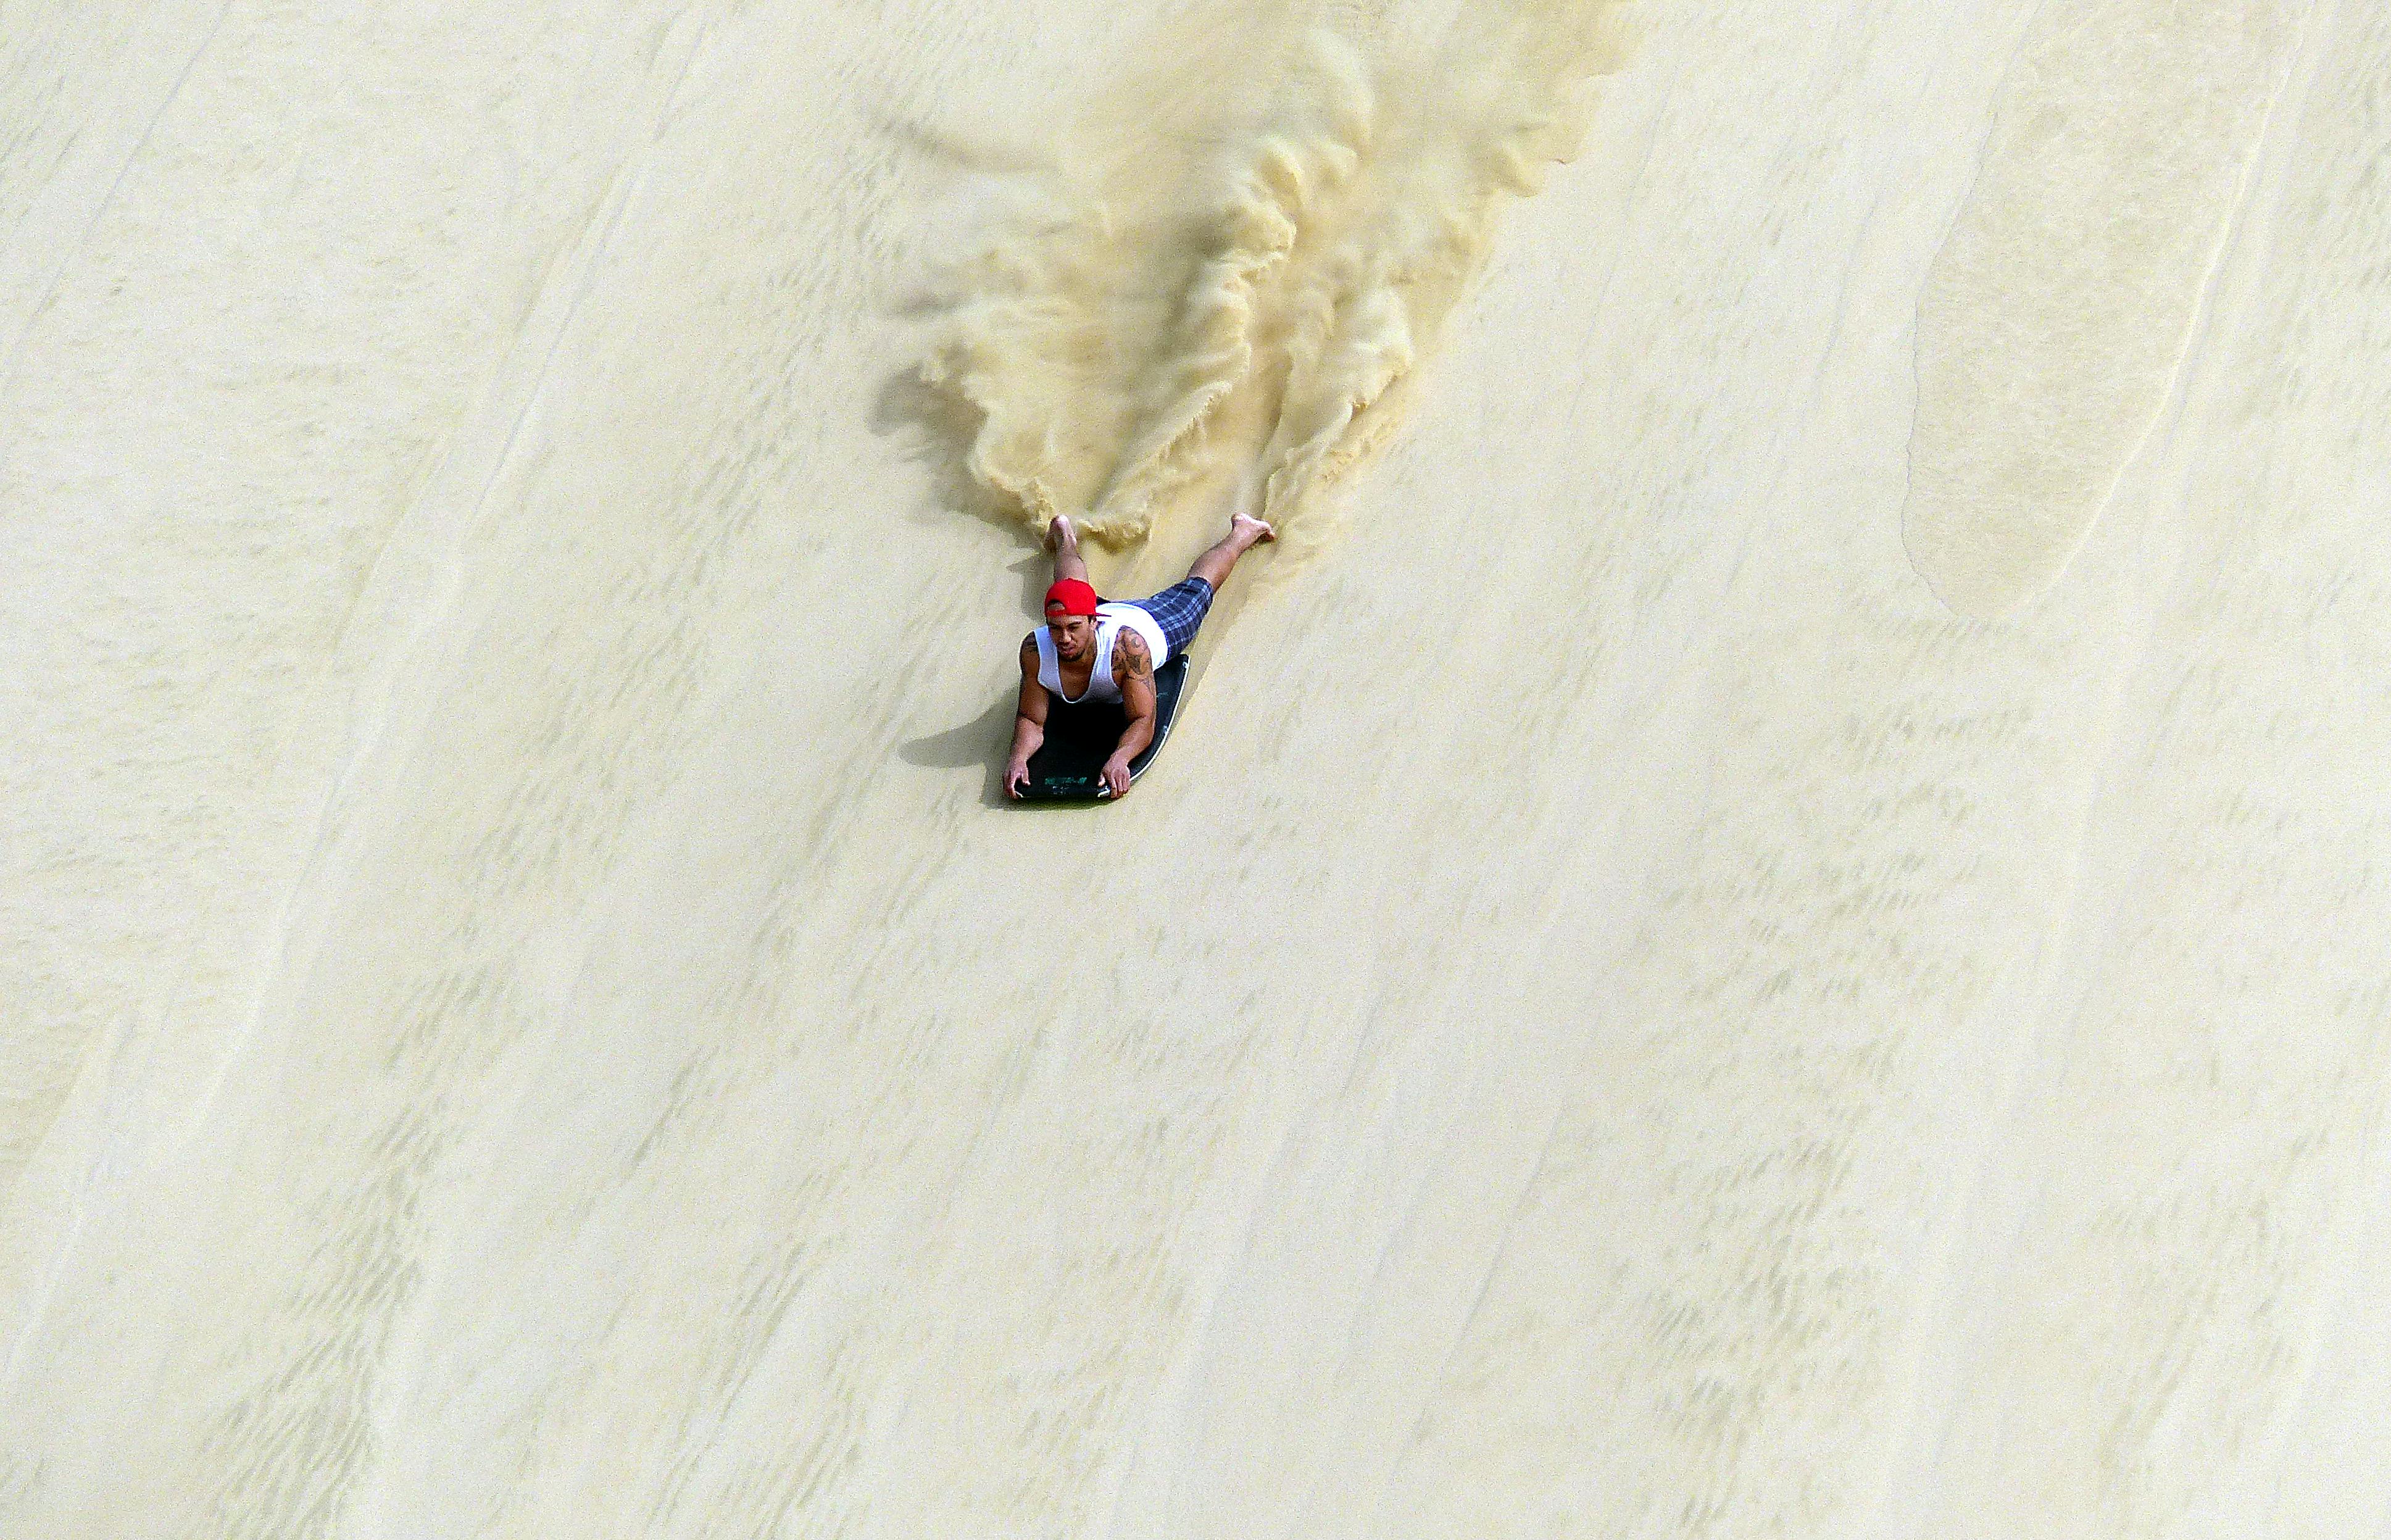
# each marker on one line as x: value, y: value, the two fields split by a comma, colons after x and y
x: 1074, y: 635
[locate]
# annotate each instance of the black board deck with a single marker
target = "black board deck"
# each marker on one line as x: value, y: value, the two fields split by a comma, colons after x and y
x: 1080, y: 738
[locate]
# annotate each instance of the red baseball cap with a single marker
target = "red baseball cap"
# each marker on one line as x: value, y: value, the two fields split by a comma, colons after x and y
x: 1069, y: 596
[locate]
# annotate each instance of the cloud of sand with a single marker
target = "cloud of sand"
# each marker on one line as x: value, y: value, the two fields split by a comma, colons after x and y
x: 1237, y: 258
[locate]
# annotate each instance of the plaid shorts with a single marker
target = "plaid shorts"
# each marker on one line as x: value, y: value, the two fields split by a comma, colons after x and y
x: 1179, y: 610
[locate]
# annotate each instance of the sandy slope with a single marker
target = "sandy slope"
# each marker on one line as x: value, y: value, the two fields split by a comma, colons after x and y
x: 1619, y: 1013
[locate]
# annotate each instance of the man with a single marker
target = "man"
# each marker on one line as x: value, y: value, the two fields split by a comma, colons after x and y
x: 1093, y: 651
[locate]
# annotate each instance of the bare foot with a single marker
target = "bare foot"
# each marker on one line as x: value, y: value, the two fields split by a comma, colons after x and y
x: 1254, y: 531
x: 1060, y: 536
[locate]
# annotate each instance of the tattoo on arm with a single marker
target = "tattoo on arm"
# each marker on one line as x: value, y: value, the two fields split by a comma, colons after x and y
x: 1132, y: 659
x: 1031, y: 706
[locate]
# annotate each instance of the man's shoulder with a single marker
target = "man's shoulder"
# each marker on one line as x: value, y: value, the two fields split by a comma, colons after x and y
x: 1129, y: 648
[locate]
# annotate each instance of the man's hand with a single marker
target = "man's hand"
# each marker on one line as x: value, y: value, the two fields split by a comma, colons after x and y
x: 1115, y: 775
x: 1016, y: 778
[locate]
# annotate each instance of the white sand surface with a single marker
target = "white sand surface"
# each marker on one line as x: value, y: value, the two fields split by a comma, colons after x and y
x: 1770, y: 918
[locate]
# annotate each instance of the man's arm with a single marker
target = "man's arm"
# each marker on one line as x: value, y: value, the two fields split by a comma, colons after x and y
x: 1134, y: 671
x: 1028, y: 721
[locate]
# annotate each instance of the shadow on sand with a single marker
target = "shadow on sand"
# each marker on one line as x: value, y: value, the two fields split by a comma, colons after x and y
x: 982, y: 741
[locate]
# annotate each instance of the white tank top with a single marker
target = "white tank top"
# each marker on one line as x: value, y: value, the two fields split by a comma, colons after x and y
x: 1110, y: 618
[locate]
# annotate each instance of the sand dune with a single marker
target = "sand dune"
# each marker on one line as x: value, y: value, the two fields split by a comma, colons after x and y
x: 1621, y: 1010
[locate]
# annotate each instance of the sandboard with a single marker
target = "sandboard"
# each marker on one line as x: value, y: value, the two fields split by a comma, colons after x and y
x: 1069, y: 766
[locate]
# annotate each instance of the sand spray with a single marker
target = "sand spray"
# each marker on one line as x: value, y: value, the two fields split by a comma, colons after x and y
x: 1237, y: 257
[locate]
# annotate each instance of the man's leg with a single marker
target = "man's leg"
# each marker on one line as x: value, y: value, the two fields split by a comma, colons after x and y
x: 1245, y: 533
x: 1064, y: 541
